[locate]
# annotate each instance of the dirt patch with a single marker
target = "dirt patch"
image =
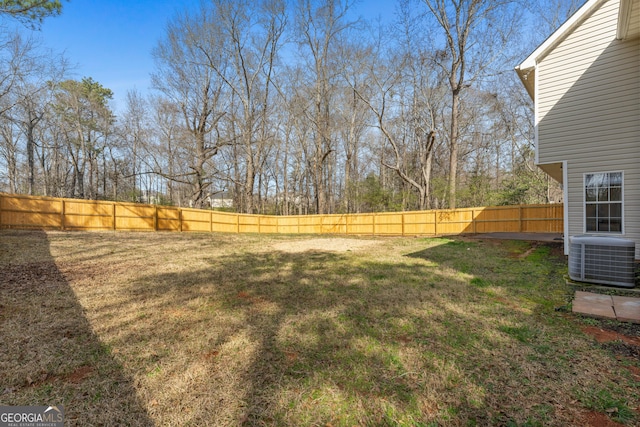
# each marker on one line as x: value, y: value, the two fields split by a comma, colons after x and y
x: 596, y: 419
x: 76, y: 377
x: 211, y: 355
x: 326, y: 245
x: 635, y: 371
x: 79, y: 374
x: 624, y: 347
x: 291, y: 357
x: 606, y: 335
x: 526, y: 253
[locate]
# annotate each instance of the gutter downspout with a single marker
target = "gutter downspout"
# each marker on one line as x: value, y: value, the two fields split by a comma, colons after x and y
x: 565, y: 210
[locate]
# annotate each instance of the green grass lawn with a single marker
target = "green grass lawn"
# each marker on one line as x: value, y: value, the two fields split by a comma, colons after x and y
x: 214, y: 329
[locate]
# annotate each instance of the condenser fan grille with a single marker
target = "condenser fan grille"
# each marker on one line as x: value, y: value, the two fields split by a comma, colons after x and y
x: 605, y: 260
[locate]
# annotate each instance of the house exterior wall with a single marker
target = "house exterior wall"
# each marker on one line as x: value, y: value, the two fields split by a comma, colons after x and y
x: 634, y: 21
x: 588, y: 112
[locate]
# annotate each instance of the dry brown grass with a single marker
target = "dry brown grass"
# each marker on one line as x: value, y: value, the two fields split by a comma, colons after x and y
x: 211, y: 329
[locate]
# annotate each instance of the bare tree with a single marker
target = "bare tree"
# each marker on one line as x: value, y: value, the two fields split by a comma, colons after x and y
x: 396, y: 138
x: 252, y: 34
x: 16, y: 58
x: 475, y: 34
x: 34, y: 95
x: 28, y: 73
x: 185, y: 76
x: 135, y: 133
x: 352, y: 116
x: 549, y: 16
x: 319, y: 27
x: 166, y: 153
x: 404, y: 93
x: 9, y: 152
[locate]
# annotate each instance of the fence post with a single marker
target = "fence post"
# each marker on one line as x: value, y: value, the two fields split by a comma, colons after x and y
x: 113, y: 216
x: 155, y: 218
x: 211, y: 222
x: 374, y: 223
x: 62, y: 216
x: 180, y: 218
x: 259, y: 224
x: 237, y: 223
x: 402, y: 219
x: 435, y: 222
x: 520, y: 219
x: 473, y: 221
x: 559, y: 220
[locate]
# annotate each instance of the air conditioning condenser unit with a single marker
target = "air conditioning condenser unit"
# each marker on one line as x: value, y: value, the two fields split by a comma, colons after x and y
x: 602, y: 259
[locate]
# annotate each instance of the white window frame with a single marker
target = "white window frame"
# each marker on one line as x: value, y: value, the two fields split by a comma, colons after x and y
x: 584, y: 204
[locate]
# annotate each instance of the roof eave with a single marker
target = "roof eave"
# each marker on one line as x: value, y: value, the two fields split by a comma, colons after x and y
x: 529, y: 64
x: 527, y: 77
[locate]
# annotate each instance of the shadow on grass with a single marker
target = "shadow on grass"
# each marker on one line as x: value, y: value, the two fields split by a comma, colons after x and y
x: 49, y: 353
x: 304, y: 334
x: 521, y: 270
x: 311, y: 338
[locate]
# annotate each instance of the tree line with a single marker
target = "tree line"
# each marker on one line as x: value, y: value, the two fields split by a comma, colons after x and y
x: 290, y: 107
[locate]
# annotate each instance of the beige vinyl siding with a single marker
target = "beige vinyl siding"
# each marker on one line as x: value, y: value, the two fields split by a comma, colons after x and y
x: 588, y: 112
x: 588, y: 90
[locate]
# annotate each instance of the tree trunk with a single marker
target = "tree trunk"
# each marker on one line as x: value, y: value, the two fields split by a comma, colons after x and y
x: 249, y: 183
x: 319, y: 187
x: 200, y: 185
x: 427, y: 177
x: 30, y: 155
x: 453, y: 148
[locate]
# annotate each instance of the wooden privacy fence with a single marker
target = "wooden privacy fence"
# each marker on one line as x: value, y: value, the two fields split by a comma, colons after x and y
x: 18, y: 211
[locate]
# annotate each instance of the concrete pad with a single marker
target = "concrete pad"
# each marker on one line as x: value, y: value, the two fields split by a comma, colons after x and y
x: 627, y: 309
x: 595, y: 305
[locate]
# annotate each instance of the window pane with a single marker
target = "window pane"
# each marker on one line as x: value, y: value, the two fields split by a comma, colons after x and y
x: 603, y: 211
x: 603, y: 194
x: 615, y: 179
x: 591, y: 210
x: 590, y: 195
x: 616, y: 224
x: 603, y: 224
x: 591, y: 224
x: 615, y: 210
x: 616, y: 194
x: 596, y: 180
x: 588, y: 180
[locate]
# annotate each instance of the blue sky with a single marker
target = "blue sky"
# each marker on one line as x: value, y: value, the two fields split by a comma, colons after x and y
x: 111, y: 40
